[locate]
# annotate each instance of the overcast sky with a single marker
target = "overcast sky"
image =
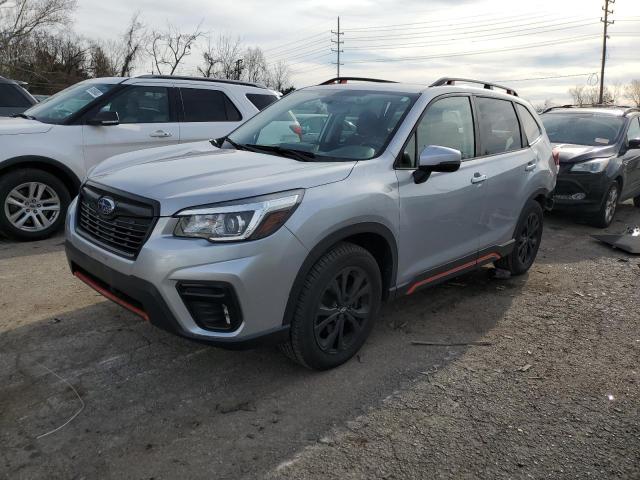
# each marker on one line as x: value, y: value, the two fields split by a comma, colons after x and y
x: 407, y: 40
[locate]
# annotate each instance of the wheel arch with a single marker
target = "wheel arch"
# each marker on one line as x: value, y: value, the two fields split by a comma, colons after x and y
x: 374, y: 237
x: 54, y: 167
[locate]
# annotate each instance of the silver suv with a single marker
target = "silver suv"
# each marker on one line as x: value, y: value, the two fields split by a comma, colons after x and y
x: 386, y: 188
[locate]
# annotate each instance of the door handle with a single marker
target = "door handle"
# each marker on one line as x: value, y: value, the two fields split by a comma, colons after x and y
x: 160, y: 134
x: 531, y: 166
x: 477, y: 178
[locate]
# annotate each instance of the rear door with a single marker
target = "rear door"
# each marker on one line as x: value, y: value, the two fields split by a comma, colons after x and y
x: 207, y: 112
x: 147, y: 119
x: 510, y: 160
x: 631, y: 161
x: 440, y: 219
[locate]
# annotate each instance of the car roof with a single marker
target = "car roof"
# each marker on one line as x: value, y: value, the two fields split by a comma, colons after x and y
x: 12, y: 82
x: 608, y: 110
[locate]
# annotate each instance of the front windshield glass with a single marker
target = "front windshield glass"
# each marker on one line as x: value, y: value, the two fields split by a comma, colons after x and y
x: 328, y: 124
x: 64, y: 104
x: 582, y: 129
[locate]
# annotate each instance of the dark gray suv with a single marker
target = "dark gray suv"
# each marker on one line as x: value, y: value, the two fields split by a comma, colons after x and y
x: 14, y: 98
x: 298, y: 241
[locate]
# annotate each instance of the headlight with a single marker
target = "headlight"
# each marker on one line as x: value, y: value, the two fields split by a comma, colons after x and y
x: 593, y: 166
x: 248, y: 219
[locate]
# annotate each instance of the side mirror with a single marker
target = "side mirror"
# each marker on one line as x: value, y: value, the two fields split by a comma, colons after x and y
x: 435, y: 158
x: 634, y: 143
x: 105, y: 119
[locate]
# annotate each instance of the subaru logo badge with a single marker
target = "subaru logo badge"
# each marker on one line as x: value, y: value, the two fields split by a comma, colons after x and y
x: 106, y: 206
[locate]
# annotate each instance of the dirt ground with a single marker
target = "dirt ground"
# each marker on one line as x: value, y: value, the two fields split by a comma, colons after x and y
x: 550, y: 390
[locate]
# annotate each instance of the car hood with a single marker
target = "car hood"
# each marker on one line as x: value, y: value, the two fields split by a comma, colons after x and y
x: 570, y: 153
x: 21, y: 126
x: 196, y: 174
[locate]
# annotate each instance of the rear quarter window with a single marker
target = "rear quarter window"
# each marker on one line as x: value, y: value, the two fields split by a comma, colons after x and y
x: 530, y: 127
x: 261, y: 101
x: 11, y: 97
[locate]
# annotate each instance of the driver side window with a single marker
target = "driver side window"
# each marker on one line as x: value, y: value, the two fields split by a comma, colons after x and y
x: 448, y: 122
x: 634, y: 129
x: 141, y: 105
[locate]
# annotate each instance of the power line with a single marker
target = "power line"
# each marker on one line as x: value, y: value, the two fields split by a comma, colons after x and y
x: 480, y: 52
x: 548, y: 78
x: 299, y: 48
x: 496, y: 36
x: 293, y: 41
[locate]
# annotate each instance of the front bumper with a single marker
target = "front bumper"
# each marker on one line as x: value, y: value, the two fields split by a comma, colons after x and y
x: 260, y: 273
x: 580, y: 191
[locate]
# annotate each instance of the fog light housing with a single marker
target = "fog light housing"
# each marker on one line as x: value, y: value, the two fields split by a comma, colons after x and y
x: 212, y: 305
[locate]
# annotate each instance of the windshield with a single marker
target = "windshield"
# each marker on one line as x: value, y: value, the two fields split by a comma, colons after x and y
x: 64, y: 104
x: 328, y: 124
x: 582, y: 129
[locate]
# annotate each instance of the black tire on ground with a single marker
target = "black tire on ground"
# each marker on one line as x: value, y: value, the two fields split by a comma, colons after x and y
x: 31, y: 231
x: 336, y: 309
x: 636, y: 201
x: 604, y: 216
x: 527, y: 237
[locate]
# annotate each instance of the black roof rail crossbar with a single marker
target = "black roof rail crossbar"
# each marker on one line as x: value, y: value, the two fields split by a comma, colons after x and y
x: 628, y: 108
x: 335, y: 80
x: 202, y: 79
x: 487, y: 85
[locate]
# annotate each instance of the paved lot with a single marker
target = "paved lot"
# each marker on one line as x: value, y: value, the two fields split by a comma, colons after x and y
x: 157, y: 406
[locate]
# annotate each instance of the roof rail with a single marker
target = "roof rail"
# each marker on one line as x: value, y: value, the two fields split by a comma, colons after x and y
x: 628, y: 108
x: 202, y: 79
x: 342, y: 80
x: 487, y: 85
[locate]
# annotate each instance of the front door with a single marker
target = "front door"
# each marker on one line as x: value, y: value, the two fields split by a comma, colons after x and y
x: 631, y: 162
x: 146, y: 121
x: 440, y: 219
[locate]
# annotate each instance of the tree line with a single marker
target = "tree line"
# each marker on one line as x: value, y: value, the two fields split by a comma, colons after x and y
x: 38, y: 45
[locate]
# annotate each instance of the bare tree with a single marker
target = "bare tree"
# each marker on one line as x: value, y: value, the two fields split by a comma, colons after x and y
x: 169, y: 48
x: 632, y: 92
x: 20, y: 18
x: 223, y: 59
x: 254, y: 65
x: 578, y: 95
x: 541, y: 107
x: 279, y: 75
x: 132, y: 45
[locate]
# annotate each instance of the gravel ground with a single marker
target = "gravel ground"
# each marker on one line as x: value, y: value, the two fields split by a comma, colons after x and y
x: 550, y: 390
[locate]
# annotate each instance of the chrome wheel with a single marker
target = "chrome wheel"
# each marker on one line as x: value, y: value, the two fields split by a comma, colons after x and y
x: 611, y: 204
x: 32, y: 207
x: 344, y: 309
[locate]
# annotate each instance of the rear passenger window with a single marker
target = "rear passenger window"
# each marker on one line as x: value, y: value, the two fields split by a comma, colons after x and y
x: 11, y: 97
x: 530, y: 127
x: 261, y: 101
x: 448, y: 123
x: 202, y: 105
x: 499, y: 128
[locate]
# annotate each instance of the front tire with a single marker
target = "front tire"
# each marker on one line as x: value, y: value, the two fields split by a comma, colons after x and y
x: 336, y: 308
x: 33, y: 204
x: 607, y: 211
x: 528, y: 236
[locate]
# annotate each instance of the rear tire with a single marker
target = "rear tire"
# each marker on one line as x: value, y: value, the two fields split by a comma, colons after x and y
x: 527, y: 237
x: 607, y: 211
x: 33, y: 204
x: 336, y: 309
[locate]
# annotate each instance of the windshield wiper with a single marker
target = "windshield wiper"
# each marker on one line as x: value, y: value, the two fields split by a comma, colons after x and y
x: 23, y: 115
x: 302, y: 155
x: 218, y: 142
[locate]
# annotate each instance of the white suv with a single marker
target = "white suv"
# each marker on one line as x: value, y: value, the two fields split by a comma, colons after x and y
x: 47, y: 150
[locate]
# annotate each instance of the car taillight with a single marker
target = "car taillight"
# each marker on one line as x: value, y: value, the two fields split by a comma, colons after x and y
x: 297, y: 129
x: 556, y: 156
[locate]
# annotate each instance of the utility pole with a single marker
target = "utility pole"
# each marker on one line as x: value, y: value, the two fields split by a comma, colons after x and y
x: 606, y: 22
x: 238, y: 69
x: 338, y: 43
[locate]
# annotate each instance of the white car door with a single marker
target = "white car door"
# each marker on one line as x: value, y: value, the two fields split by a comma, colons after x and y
x: 147, y: 119
x: 208, y: 112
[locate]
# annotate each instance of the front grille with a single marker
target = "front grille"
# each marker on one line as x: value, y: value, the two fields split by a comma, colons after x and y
x: 123, y: 232
x: 213, y: 305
